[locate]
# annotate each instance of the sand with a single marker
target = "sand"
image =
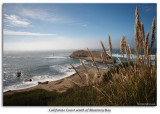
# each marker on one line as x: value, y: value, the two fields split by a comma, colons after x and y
x: 63, y: 85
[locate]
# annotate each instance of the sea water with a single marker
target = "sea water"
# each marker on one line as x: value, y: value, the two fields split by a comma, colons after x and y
x: 43, y: 66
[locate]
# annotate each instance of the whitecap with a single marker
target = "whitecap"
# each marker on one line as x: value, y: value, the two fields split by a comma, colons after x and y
x: 18, y: 86
x: 35, y: 80
x: 63, y: 68
x: 55, y: 57
x: 125, y: 56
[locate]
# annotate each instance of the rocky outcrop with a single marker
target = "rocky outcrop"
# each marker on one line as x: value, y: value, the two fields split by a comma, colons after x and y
x: 46, y: 82
x: 18, y: 74
x: 82, y: 54
x: 28, y: 80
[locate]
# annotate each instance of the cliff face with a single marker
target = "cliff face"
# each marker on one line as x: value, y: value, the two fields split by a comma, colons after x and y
x: 82, y: 54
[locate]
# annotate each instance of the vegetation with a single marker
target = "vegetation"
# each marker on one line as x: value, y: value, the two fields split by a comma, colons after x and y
x: 131, y: 83
x: 85, y: 96
x: 128, y: 84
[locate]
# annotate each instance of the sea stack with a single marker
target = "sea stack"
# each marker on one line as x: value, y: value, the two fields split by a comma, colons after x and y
x: 18, y: 74
x: 82, y: 54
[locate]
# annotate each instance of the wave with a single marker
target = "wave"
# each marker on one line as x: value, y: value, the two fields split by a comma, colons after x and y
x: 34, y: 82
x: 64, y: 71
x: 125, y: 56
x: 13, y: 57
x: 152, y: 57
x: 24, y: 84
x: 61, y: 68
x: 55, y: 57
x: 119, y: 55
x: 18, y: 86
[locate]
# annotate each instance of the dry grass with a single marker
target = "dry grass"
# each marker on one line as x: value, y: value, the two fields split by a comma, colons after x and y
x: 84, y: 65
x: 94, y: 62
x: 76, y: 71
x: 131, y: 83
x: 130, y: 50
x: 146, y: 43
x: 122, y: 45
x: 153, y: 33
x: 142, y: 29
x: 110, y: 46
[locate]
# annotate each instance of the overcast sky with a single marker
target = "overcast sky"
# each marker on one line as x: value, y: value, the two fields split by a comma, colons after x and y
x: 71, y: 26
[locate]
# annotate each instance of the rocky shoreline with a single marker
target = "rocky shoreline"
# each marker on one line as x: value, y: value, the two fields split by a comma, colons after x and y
x: 98, y: 56
x: 73, y: 81
x: 63, y: 85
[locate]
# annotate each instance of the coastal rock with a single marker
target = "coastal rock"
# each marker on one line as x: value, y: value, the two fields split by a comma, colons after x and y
x: 70, y: 68
x: 28, y: 80
x: 18, y: 74
x: 82, y: 54
x: 46, y: 82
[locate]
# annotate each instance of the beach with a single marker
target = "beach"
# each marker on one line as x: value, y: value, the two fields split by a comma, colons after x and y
x: 63, y: 85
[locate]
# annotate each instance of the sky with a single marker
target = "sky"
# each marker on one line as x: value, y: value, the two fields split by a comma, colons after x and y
x: 40, y: 27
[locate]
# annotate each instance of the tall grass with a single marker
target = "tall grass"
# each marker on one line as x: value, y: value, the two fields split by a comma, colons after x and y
x: 130, y: 84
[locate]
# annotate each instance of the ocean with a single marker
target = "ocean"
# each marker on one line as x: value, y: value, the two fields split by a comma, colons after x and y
x: 43, y: 66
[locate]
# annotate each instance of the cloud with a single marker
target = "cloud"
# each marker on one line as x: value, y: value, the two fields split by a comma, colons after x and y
x: 59, y: 43
x: 55, y: 15
x: 9, y: 32
x: 13, y: 20
x: 150, y: 7
x: 84, y: 25
x: 43, y: 15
